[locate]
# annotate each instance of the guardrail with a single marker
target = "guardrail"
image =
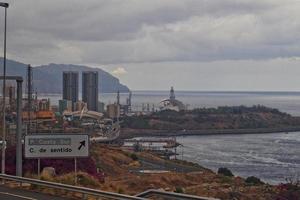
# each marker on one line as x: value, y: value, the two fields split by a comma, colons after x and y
x: 99, y: 193
x: 71, y: 188
x: 171, y: 195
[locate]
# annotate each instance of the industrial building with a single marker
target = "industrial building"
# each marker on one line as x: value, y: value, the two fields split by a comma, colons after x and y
x: 101, y: 106
x: 124, y: 109
x: 42, y: 111
x: 90, y: 89
x: 172, y: 103
x: 70, y: 86
x: 113, y: 111
x: 64, y: 105
x: 80, y: 105
x: 10, y: 92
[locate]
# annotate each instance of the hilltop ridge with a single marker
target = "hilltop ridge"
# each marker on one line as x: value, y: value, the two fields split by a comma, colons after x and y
x: 48, y: 78
x: 221, y: 120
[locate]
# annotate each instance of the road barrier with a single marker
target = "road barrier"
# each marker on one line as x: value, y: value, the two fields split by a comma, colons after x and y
x: 71, y: 188
x: 99, y: 193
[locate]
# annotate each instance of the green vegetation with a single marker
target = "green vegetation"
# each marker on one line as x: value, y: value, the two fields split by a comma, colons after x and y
x: 224, y: 171
x: 178, y: 190
x: 290, y: 190
x: 86, y: 180
x: 226, y: 179
x: 252, y: 180
x: 83, y: 179
x: 187, y: 163
x: 225, y: 117
x: 120, y: 191
x: 133, y: 156
x: 237, y: 110
x: 139, y: 122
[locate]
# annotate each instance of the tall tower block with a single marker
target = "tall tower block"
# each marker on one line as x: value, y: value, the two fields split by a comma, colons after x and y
x: 90, y: 89
x: 70, y: 86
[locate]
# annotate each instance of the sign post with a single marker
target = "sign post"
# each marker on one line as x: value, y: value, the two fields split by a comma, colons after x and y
x: 39, y: 168
x: 57, y: 146
x: 75, y: 170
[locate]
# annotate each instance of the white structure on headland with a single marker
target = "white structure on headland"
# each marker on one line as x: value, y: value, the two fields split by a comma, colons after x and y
x: 171, y: 103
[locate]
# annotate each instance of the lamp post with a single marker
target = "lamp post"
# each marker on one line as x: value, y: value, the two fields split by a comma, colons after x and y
x: 5, y: 5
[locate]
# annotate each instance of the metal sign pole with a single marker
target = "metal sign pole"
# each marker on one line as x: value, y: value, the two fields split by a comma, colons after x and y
x: 3, y: 93
x: 57, y: 146
x: 75, y: 170
x: 19, y: 130
x: 39, y: 168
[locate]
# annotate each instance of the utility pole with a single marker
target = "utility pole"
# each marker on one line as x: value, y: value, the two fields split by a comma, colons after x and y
x: 29, y: 97
x: 19, y: 129
x: 5, y: 5
x: 18, y: 157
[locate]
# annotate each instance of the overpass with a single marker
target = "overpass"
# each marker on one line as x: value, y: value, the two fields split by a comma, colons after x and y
x: 109, y: 131
x: 89, y: 114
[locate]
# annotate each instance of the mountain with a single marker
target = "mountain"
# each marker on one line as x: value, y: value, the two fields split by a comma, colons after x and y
x: 48, y: 78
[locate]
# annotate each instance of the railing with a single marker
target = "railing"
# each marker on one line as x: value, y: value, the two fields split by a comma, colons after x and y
x: 99, y: 193
x: 171, y: 195
x: 71, y: 188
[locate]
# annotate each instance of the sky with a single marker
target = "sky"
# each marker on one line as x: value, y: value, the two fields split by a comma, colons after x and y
x: 201, y: 45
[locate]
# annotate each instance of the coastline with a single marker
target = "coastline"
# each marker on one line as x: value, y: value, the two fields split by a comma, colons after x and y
x: 270, y: 135
x: 127, y: 133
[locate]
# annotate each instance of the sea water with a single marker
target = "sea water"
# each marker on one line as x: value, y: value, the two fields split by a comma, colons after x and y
x: 274, y: 158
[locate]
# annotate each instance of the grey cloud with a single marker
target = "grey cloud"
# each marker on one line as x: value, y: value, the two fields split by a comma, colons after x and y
x: 126, y: 31
x: 241, y: 75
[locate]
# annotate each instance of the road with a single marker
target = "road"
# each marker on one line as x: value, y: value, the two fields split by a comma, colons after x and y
x: 169, y: 165
x: 19, y: 194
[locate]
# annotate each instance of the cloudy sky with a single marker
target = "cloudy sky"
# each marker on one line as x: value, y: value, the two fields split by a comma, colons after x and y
x: 153, y: 44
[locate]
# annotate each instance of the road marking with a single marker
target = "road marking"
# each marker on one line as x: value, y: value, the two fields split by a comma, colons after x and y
x: 19, y: 196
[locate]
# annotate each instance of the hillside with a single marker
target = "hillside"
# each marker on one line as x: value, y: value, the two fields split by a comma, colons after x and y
x: 48, y: 78
x: 119, y: 171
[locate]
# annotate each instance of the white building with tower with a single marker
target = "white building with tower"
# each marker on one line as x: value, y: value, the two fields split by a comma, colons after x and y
x: 172, y: 103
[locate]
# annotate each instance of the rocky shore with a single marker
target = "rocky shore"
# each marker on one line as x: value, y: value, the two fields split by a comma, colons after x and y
x: 127, y: 133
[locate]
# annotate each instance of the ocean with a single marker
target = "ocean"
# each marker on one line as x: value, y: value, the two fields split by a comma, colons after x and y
x: 272, y: 157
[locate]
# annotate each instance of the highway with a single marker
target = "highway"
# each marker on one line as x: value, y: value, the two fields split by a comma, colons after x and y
x: 19, y: 194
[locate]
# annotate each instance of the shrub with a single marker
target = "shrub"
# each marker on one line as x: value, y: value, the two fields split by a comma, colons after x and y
x: 84, y: 179
x: 87, y: 180
x: 178, y: 190
x: 137, y: 147
x: 120, y: 191
x: 133, y: 156
x: 226, y: 179
x: 290, y: 190
x: 253, y: 181
x: 224, y: 171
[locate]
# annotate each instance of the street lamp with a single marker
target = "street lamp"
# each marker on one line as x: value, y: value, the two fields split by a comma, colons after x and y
x: 5, y: 5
